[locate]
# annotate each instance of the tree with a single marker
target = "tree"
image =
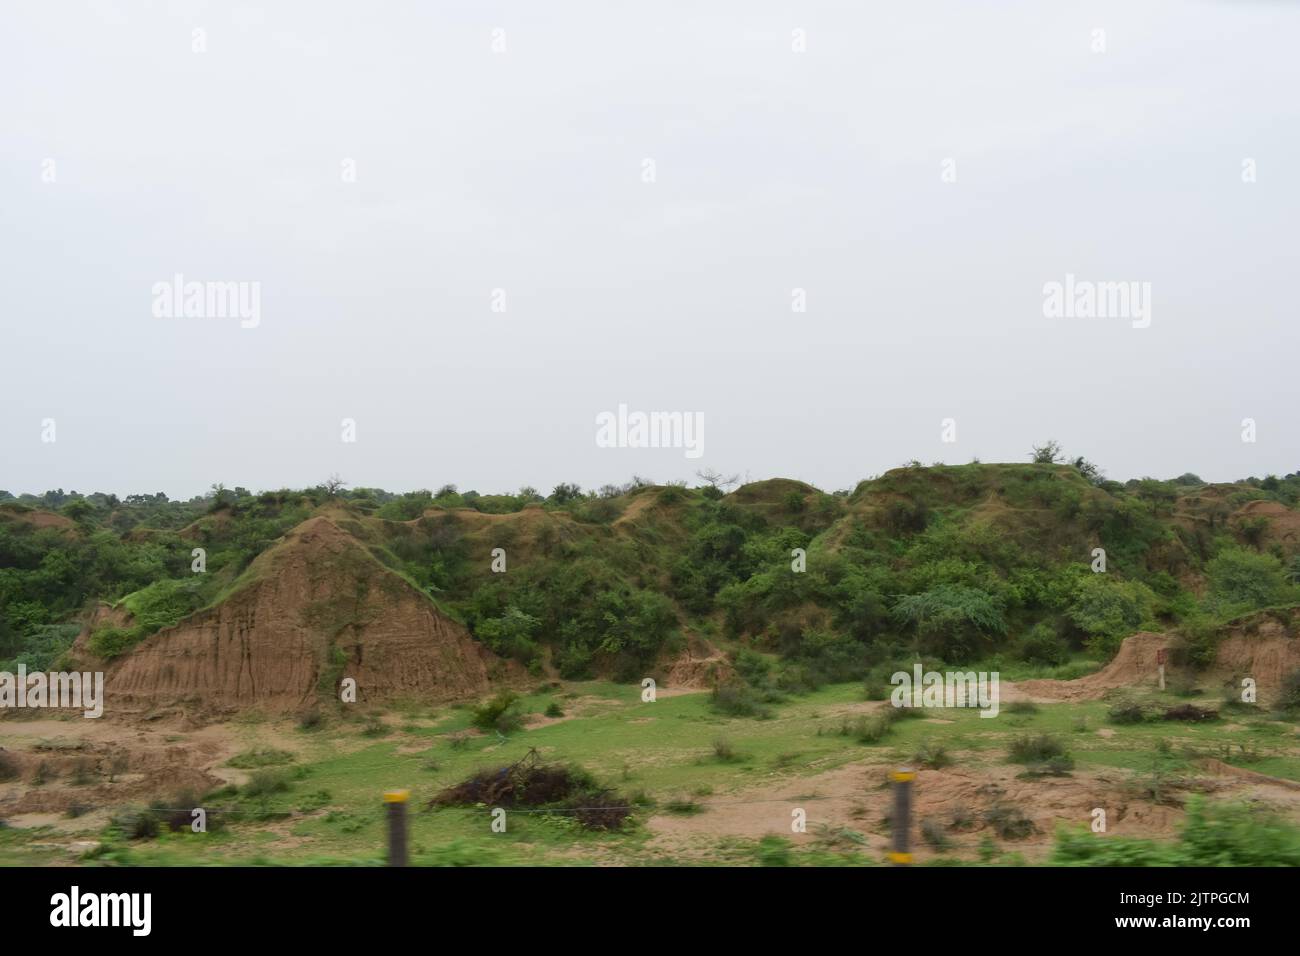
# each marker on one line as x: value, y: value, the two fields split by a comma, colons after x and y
x: 1048, y: 454
x: 1108, y: 610
x: 78, y: 509
x: 333, y: 485
x: 951, y: 619
x: 716, y: 480
x: 1242, y: 580
x: 511, y: 634
x: 563, y: 493
x: 1089, y: 471
x: 220, y: 497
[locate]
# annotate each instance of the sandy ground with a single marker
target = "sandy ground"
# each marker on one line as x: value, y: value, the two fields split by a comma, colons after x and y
x: 858, y: 797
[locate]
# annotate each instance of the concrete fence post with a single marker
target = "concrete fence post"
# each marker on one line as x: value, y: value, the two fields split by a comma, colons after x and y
x: 901, y: 854
x: 396, y: 801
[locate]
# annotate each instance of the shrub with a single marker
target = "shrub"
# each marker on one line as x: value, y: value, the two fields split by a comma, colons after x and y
x: 260, y: 757
x: 1289, y: 697
x: 738, y: 700
x: 110, y: 642
x: 136, y: 823
x: 934, y: 834
x: 774, y: 851
x: 724, y: 751
x: 872, y: 729
x: 932, y: 755
x: 263, y: 783
x: 1126, y: 712
x: 951, y: 620
x: 1052, y: 767
x: 1213, y: 835
x: 1242, y: 580
x: 1009, y: 822
x: 500, y: 713
x: 1036, y: 749
x: 1042, y: 645
x: 512, y: 634
x: 1190, y: 712
x: 1109, y: 611
x: 553, y: 709
x: 683, y: 807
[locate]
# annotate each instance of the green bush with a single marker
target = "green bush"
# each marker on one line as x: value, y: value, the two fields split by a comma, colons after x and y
x: 500, y: 713
x: 1126, y: 711
x: 1036, y: 749
x: 260, y: 757
x: 136, y: 823
x: 951, y: 620
x: 774, y: 851
x: 1042, y: 645
x: 932, y: 756
x: 1289, y: 696
x: 1109, y: 610
x: 738, y: 700
x: 1221, y: 834
x: 724, y: 752
x: 110, y: 642
x: 1242, y: 580
x: 1009, y: 822
x: 264, y: 783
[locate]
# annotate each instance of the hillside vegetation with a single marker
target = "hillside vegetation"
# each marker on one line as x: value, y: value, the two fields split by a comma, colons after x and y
x: 957, y: 564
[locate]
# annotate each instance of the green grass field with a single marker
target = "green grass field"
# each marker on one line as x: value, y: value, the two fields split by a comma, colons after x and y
x: 318, y: 798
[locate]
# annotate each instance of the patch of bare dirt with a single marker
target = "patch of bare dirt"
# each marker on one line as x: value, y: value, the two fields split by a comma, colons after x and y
x: 1262, y: 648
x: 1282, y: 523
x: 963, y: 800
x: 79, y: 765
x: 39, y: 519
x: 701, y: 666
x: 1134, y: 666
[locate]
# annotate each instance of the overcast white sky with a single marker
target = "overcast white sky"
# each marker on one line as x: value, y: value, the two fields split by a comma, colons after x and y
x: 522, y: 171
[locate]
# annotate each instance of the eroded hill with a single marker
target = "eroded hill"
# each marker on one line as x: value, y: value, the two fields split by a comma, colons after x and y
x: 776, y: 586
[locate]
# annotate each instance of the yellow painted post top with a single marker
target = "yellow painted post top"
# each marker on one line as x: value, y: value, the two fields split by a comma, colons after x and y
x: 903, y: 776
x: 900, y: 857
x: 397, y: 796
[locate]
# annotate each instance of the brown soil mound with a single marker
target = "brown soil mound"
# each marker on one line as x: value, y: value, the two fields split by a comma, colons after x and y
x: 39, y: 519
x: 1134, y: 666
x: 701, y: 666
x: 1263, y: 648
x: 314, y: 609
x: 1283, y: 523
